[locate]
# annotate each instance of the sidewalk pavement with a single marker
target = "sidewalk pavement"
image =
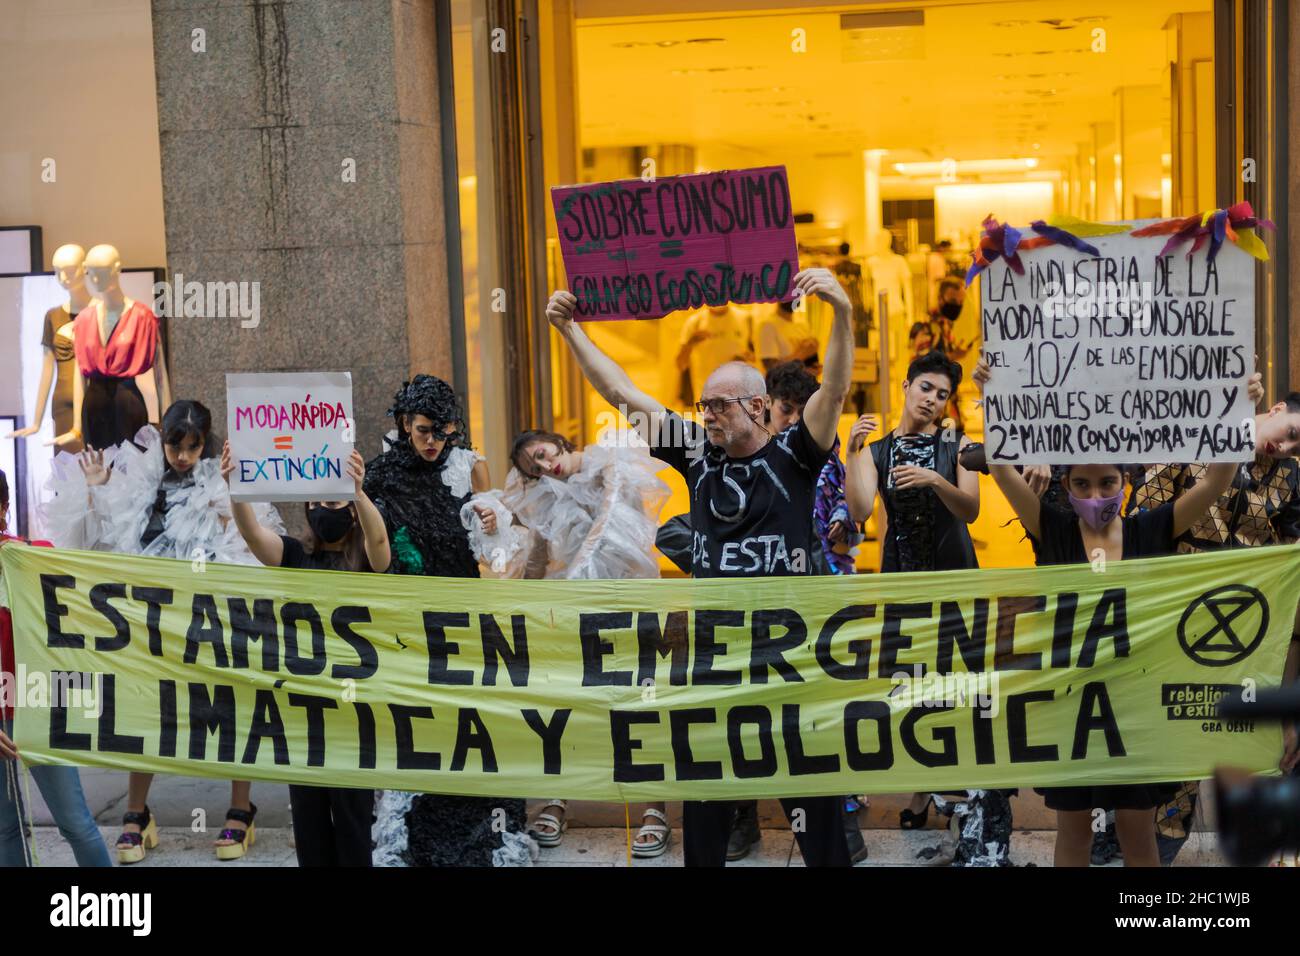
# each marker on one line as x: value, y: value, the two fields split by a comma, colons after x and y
x: 190, y: 812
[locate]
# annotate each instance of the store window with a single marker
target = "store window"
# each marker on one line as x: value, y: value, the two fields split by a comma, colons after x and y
x: 901, y: 130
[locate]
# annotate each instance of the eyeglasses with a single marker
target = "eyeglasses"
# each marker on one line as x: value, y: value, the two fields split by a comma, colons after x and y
x: 719, y: 405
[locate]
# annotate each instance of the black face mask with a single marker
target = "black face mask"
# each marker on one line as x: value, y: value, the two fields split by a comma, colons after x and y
x: 330, y: 524
x: 950, y: 310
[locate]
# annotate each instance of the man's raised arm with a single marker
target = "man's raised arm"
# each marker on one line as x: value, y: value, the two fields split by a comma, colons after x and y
x: 605, y: 375
x: 822, y: 413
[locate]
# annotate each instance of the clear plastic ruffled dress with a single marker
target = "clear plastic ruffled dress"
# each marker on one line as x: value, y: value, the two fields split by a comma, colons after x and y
x: 196, y: 518
x: 599, y: 523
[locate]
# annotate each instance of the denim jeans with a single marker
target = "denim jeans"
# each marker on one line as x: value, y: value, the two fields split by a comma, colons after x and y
x: 61, y: 788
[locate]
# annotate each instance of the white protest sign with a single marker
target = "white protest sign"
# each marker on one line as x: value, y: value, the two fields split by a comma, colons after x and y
x: 291, y: 434
x: 1127, y: 357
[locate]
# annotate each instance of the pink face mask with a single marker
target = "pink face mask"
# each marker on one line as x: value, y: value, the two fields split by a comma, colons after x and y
x: 1097, y: 512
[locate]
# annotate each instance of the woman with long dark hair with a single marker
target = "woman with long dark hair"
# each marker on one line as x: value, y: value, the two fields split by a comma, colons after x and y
x: 331, y: 825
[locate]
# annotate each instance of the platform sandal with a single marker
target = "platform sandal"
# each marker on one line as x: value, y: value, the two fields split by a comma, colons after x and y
x: 243, y: 838
x: 555, y: 826
x: 130, y: 846
x: 659, y: 834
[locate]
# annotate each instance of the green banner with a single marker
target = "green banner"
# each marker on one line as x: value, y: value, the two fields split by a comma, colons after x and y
x: 641, y: 690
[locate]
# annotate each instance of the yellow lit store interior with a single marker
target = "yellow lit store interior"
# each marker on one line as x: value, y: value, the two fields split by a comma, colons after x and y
x: 903, y: 125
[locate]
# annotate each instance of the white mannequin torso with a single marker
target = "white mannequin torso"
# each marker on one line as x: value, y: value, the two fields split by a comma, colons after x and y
x: 109, y: 315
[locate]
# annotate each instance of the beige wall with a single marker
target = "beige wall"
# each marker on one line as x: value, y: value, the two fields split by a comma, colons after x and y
x: 77, y: 86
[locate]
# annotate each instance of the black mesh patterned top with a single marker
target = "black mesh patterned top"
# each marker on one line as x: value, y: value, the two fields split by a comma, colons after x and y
x: 1261, y: 507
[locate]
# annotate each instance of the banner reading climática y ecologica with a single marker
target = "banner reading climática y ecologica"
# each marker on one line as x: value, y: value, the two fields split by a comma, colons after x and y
x: 640, y: 690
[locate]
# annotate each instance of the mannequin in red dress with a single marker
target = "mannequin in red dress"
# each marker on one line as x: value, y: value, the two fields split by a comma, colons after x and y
x: 115, y: 340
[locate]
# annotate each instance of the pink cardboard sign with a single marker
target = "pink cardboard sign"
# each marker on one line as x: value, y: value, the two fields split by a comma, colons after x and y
x: 639, y: 250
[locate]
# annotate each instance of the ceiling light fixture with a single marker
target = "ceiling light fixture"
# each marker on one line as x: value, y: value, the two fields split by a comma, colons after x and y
x: 968, y: 166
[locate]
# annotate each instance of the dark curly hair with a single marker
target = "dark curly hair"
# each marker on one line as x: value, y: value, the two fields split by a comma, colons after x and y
x: 791, y: 382
x: 938, y: 363
x: 433, y: 398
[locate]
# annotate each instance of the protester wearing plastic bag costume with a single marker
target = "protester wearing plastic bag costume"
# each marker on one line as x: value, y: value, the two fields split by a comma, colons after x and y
x: 145, y: 507
x: 582, y: 514
x: 597, y: 522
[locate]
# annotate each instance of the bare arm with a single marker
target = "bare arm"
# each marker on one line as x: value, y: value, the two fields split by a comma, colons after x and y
x: 373, y: 529
x: 42, y: 397
x: 860, y: 479
x: 604, y: 374
x: 479, y: 479
x: 1019, y: 495
x: 1022, y: 498
x: 1191, y: 506
x: 822, y: 413
x: 962, y: 499
x: 265, y: 544
x: 164, y: 380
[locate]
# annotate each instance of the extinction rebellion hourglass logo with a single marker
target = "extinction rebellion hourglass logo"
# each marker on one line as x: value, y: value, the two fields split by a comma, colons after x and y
x: 1223, y: 626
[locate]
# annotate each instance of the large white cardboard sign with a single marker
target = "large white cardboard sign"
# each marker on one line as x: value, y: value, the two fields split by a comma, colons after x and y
x: 291, y: 434
x: 1127, y: 357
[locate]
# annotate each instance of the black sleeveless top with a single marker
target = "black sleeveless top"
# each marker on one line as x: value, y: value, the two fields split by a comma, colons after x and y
x: 923, y: 535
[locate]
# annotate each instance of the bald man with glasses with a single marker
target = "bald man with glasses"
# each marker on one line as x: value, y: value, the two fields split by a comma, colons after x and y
x: 751, y: 498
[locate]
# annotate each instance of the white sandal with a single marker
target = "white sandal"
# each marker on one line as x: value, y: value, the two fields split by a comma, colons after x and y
x: 556, y: 824
x: 659, y: 831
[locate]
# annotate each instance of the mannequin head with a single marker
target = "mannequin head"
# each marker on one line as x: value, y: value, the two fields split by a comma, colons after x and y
x: 103, y: 266
x: 69, y: 266
x: 884, y: 243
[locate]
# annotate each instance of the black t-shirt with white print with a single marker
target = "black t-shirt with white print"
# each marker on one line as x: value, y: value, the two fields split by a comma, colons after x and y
x: 750, y: 515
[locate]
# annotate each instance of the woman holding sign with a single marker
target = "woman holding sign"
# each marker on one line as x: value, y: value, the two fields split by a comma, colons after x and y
x: 1096, y: 493
x: 161, y: 495
x: 331, y: 825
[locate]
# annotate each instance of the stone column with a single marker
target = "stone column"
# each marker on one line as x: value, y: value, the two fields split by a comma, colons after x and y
x: 261, y: 117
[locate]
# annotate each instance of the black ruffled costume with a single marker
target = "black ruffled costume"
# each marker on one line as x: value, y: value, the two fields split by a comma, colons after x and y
x: 422, y: 513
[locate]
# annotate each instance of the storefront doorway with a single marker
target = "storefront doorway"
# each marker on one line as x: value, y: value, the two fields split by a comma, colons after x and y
x: 901, y: 127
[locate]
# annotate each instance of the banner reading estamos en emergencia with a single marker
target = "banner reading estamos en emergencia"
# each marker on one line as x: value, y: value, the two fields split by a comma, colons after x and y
x: 639, y: 690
